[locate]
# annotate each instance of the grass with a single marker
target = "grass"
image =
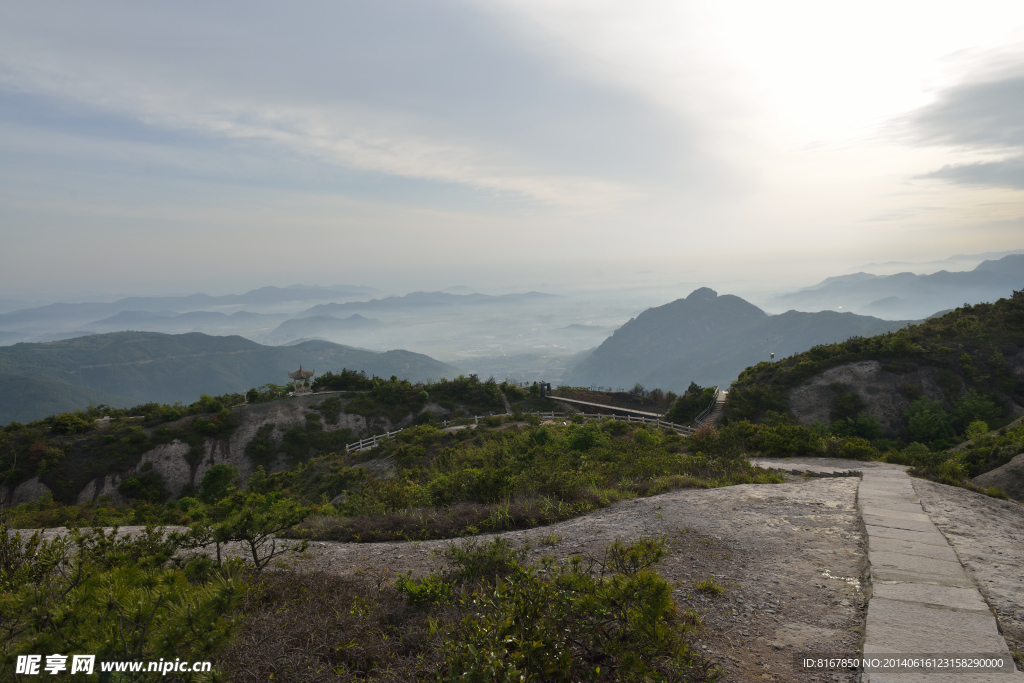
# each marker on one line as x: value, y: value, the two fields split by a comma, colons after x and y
x: 708, y: 586
x: 551, y: 539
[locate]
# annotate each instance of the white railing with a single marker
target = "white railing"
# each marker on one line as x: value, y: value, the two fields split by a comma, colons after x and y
x: 707, y: 411
x: 369, y: 442
x: 684, y: 430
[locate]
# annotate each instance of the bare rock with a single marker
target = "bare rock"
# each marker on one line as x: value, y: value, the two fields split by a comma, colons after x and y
x: 1008, y: 477
x: 883, y: 392
x: 169, y: 461
x: 29, y: 490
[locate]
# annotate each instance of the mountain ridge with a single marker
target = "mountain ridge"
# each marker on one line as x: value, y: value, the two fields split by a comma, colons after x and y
x: 137, y: 367
x: 907, y: 295
x: 709, y: 339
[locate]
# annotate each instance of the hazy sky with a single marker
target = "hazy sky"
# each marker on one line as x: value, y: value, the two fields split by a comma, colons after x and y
x: 416, y: 144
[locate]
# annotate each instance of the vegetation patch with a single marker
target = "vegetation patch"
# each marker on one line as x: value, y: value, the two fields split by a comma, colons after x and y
x: 693, y: 402
x: 486, y: 615
x: 512, y: 476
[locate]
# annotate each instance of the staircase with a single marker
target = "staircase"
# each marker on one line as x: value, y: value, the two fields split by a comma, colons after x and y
x: 717, y: 410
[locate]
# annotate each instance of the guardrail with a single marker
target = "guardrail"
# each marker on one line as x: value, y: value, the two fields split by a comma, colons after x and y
x: 684, y: 430
x: 707, y: 411
x: 369, y: 442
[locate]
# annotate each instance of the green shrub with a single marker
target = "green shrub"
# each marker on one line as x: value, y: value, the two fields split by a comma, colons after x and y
x: 694, y: 401
x: 147, y: 486
x: 976, y: 429
x: 473, y: 560
x: 565, y: 624
x: 430, y: 590
x: 261, y: 448
x: 346, y: 380
x: 68, y: 423
x: 708, y: 586
x: 974, y: 406
x: 219, y: 481
x: 119, y: 598
x: 586, y: 437
x: 513, y: 392
x: 857, y: 448
x: 927, y: 421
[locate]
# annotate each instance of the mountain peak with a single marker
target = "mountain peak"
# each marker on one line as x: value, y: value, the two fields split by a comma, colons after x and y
x: 702, y: 294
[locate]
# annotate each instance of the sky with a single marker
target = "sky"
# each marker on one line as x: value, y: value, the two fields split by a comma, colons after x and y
x: 150, y: 148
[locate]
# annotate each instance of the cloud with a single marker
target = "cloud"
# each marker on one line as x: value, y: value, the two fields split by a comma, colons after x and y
x: 436, y: 91
x: 1008, y: 173
x: 981, y: 115
x: 976, y: 115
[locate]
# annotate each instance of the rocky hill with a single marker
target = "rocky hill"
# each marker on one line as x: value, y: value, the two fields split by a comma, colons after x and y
x: 155, y: 452
x: 926, y: 383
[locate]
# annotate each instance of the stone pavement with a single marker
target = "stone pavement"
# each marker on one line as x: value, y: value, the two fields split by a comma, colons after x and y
x: 922, y: 602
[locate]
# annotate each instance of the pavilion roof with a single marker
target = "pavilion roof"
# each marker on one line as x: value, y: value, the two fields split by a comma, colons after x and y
x: 302, y: 374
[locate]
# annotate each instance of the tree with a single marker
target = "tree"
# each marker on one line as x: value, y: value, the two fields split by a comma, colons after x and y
x: 218, y: 482
x: 973, y: 406
x: 251, y: 519
x: 927, y: 421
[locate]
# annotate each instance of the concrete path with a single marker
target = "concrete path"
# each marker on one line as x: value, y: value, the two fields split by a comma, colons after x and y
x: 922, y: 602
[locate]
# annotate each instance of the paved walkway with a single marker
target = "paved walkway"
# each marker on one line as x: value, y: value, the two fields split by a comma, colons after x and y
x: 922, y: 602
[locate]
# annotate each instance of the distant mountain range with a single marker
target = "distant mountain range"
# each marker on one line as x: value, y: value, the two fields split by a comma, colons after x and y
x: 709, y: 339
x: 177, y: 315
x: 129, y: 368
x: 72, y: 316
x: 171, y: 322
x: 420, y: 300
x: 906, y: 295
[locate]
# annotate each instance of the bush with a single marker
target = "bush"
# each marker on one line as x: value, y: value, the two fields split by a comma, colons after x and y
x: 218, y: 482
x: 858, y: 449
x: 261, y: 449
x: 119, y: 598
x: 687, y: 407
x: 346, y: 380
x: 973, y: 406
x: 565, y: 624
x: 147, y: 486
x: 319, y: 628
x: 68, y: 423
x: 431, y: 590
x: 474, y: 560
x: 927, y: 421
x: 976, y: 429
x: 251, y: 519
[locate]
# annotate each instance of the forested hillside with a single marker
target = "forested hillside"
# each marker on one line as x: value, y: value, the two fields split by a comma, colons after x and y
x: 927, y: 383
